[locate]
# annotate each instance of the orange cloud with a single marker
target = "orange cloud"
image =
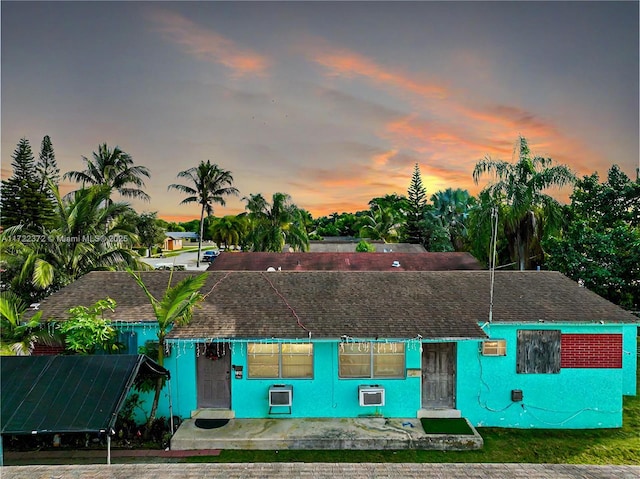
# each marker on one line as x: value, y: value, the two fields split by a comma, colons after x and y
x: 426, y: 137
x: 509, y: 118
x: 456, y: 130
x: 208, y: 45
x: 383, y: 158
x: 348, y: 177
x: 346, y: 63
x: 323, y: 208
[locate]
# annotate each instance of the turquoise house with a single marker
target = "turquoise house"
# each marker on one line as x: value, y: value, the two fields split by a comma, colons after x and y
x: 548, y: 354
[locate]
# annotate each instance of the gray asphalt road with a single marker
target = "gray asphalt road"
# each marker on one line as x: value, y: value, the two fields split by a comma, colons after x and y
x: 188, y: 259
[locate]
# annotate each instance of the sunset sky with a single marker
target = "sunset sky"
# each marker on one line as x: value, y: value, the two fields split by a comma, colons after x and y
x: 330, y: 102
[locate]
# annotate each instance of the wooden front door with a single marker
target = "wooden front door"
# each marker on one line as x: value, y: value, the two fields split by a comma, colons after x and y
x: 214, y: 378
x: 438, y: 375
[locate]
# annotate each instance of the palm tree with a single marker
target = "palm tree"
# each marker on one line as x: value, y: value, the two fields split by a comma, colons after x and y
x: 112, y: 167
x: 529, y: 213
x: 451, y: 207
x: 229, y: 230
x: 19, y: 335
x: 379, y: 224
x: 88, y: 233
x: 481, y: 223
x: 394, y: 204
x: 210, y: 185
x: 275, y: 224
x: 175, y: 308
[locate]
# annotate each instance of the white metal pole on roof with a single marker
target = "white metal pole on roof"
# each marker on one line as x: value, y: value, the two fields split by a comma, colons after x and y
x: 492, y: 259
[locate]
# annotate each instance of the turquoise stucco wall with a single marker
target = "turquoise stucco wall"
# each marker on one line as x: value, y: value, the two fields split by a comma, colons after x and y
x: 323, y: 396
x: 629, y: 359
x: 182, y: 365
x: 146, y: 331
x: 573, y: 398
x: 326, y: 395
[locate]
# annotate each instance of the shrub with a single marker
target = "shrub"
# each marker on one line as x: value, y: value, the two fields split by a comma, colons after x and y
x: 365, y: 247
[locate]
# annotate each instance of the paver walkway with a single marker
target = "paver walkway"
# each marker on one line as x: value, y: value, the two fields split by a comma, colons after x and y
x: 322, y: 471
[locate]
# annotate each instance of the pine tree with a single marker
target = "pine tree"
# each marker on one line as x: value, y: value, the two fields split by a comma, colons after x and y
x: 49, y: 174
x: 22, y: 201
x: 47, y: 167
x: 416, y: 197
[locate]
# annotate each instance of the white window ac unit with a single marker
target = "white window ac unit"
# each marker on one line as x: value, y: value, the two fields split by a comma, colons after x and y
x: 280, y: 395
x: 371, y: 395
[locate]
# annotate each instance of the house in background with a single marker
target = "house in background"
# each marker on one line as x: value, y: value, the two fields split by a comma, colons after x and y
x: 174, y: 239
x: 250, y: 261
x: 395, y: 344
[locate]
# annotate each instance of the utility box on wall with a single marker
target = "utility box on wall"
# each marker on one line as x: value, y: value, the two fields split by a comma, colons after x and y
x: 516, y: 395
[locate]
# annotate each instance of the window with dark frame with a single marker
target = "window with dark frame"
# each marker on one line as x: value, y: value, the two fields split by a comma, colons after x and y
x: 538, y: 351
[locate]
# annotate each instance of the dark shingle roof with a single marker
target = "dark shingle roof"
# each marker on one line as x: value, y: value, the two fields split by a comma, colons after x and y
x: 181, y: 235
x: 345, y: 262
x: 348, y: 245
x: 358, y: 304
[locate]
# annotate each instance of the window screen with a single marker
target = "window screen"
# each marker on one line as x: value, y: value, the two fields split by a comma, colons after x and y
x: 280, y: 360
x: 494, y: 347
x: 371, y: 360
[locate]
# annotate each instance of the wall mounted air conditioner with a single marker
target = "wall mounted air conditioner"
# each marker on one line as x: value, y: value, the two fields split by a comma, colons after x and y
x: 371, y: 395
x: 280, y: 395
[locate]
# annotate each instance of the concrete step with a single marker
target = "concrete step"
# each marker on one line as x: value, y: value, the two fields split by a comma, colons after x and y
x: 213, y: 413
x: 339, y: 433
x: 442, y: 413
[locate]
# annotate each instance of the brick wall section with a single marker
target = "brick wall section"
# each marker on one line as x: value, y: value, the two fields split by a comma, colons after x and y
x: 591, y: 351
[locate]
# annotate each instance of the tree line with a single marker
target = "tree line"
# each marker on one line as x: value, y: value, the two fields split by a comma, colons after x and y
x: 49, y: 240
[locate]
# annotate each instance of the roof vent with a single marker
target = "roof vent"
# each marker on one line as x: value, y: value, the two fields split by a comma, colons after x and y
x: 396, y: 264
x: 271, y: 268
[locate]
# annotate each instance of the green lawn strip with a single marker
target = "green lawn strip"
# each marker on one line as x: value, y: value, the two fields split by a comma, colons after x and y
x: 439, y: 425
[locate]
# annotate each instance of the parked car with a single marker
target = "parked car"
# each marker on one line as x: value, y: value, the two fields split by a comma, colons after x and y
x: 210, y: 255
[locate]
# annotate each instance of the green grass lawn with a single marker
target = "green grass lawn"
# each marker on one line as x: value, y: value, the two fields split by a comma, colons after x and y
x: 553, y: 446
